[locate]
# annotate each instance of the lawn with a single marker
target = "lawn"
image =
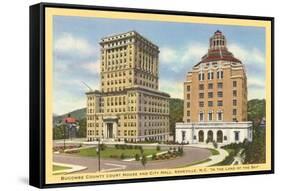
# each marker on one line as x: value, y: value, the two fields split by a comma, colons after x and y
x: 214, y: 151
x: 228, y: 160
x: 57, y: 167
x: 115, y: 153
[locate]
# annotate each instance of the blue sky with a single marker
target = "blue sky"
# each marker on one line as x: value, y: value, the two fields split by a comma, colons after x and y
x: 76, y: 54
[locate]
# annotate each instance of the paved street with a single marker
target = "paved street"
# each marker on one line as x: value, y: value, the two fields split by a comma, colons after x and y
x: 191, y: 155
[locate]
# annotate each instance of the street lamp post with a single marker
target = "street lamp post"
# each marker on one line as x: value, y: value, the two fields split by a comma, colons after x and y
x: 64, y: 135
x: 98, y: 151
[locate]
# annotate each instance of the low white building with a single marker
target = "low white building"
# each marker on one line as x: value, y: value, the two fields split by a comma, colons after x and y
x: 220, y: 132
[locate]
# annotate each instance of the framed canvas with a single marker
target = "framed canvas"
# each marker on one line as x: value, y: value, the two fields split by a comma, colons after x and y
x: 127, y: 95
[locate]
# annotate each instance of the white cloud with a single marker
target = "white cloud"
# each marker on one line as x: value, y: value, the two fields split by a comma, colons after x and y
x: 256, y: 82
x: 168, y: 55
x: 66, y: 102
x: 68, y: 43
x: 194, y: 51
x: 93, y: 67
x: 174, y: 88
x: 247, y: 56
x: 176, y: 59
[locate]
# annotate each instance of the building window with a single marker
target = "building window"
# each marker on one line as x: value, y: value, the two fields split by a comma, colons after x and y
x: 220, y: 85
x: 210, y: 116
x: 188, y: 96
x: 234, y: 93
x: 188, y: 113
x: 201, y: 76
x: 220, y: 103
x: 219, y: 116
x: 220, y: 94
x: 210, y: 75
x: 201, y: 116
x: 210, y: 103
x: 236, y: 135
x: 201, y: 95
x: 188, y: 104
x: 210, y: 94
x: 234, y: 84
x: 210, y: 86
x: 188, y: 88
x: 219, y: 74
x: 234, y: 112
x: 201, y: 104
x: 201, y: 86
x: 234, y: 102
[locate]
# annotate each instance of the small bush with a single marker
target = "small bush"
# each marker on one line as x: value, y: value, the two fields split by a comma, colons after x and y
x: 158, y: 148
x: 153, y: 157
x: 215, y: 144
x: 122, y: 156
x: 137, y: 157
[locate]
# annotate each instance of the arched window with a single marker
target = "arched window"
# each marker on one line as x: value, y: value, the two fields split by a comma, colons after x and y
x: 219, y: 136
x: 201, y: 136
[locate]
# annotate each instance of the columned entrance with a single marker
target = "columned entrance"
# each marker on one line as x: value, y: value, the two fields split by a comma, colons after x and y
x: 109, y: 130
x: 110, y: 125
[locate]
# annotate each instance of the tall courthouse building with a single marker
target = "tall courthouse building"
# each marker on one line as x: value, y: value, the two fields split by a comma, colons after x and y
x: 129, y: 106
x: 215, y: 98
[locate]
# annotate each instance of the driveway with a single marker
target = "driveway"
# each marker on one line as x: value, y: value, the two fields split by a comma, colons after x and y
x: 191, y: 155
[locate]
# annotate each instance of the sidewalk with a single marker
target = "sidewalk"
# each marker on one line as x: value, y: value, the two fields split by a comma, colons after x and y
x: 215, y: 159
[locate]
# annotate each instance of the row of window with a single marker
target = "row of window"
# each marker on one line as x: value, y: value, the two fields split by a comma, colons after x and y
x: 211, y: 86
x: 211, y: 116
x: 210, y: 75
x: 154, y: 131
x: 117, y: 43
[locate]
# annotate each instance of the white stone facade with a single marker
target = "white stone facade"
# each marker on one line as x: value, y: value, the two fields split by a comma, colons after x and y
x: 220, y: 132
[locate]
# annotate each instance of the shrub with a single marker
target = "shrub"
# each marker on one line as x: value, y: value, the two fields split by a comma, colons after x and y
x: 153, y: 156
x: 158, y: 148
x: 141, y: 149
x: 137, y: 157
x: 143, y: 160
x: 113, y: 156
x: 130, y: 146
x: 102, y: 147
x: 122, y: 156
x: 180, y: 151
x: 215, y: 144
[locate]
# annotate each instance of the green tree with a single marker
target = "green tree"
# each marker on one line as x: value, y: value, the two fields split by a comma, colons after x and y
x: 82, y: 128
x: 143, y: 160
x: 176, y: 113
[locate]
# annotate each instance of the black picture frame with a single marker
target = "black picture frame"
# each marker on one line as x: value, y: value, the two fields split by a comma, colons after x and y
x: 37, y: 93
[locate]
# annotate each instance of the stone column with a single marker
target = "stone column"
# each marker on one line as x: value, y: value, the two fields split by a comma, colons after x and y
x: 105, y: 130
x: 115, y: 130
